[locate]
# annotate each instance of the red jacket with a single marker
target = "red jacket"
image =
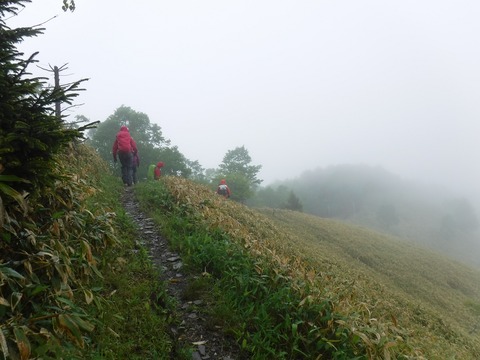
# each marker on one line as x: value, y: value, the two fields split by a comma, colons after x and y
x: 157, y: 172
x: 123, y: 142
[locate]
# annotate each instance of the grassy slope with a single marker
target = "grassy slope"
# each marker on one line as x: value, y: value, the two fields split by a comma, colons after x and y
x: 375, y: 280
x: 430, y: 295
x: 129, y: 323
x: 82, y: 285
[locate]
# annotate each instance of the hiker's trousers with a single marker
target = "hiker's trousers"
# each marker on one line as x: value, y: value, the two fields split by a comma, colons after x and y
x: 126, y: 159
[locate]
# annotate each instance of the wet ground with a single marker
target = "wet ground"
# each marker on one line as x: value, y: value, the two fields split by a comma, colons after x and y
x: 191, y: 329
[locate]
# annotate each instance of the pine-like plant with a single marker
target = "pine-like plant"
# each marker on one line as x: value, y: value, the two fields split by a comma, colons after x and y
x: 48, y: 239
x: 30, y: 132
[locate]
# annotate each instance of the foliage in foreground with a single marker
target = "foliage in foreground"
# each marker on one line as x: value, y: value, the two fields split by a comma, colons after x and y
x: 276, y: 306
x: 134, y: 316
x: 428, y: 294
x: 73, y: 281
x: 47, y: 263
x: 54, y: 237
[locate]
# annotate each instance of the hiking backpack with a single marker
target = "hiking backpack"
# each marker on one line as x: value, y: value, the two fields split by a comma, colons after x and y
x: 222, y: 190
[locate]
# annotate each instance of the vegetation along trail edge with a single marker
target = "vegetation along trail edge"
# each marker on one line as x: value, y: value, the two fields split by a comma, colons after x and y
x: 191, y: 329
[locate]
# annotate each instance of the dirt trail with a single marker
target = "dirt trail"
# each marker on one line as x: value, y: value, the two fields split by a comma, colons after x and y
x: 191, y: 330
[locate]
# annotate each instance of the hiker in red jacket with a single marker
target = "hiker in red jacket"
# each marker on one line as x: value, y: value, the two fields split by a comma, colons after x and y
x: 125, y: 147
x: 223, y: 189
x: 157, y: 172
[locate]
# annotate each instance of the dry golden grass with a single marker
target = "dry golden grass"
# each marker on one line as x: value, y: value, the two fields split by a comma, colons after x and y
x: 427, y: 293
x: 381, y: 284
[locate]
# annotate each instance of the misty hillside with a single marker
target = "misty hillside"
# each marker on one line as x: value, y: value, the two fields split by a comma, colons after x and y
x: 389, y: 298
x: 414, y: 274
x: 375, y: 198
x: 428, y: 295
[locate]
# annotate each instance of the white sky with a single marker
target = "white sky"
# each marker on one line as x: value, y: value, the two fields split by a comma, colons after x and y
x: 300, y: 84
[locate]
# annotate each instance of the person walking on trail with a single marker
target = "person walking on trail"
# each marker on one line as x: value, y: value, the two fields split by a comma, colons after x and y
x: 157, y: 172
x: 124, y: 146
x: 223, y: 189
x: 151, y: 171
x: 135, y: 165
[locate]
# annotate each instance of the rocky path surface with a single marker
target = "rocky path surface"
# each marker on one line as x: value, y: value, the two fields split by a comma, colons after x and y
x: 192, y: 331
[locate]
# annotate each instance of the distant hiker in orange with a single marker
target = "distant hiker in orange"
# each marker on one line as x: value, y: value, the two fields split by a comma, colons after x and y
x: 125, y: 147
x: 223, y: 189
x: 157, y: 172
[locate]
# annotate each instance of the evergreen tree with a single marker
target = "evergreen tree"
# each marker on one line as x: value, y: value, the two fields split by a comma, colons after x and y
x: 39, y: 201
x: 30, y: 132
x: 293, y: 202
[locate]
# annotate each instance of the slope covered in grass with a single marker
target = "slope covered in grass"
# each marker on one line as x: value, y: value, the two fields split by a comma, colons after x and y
x: 353, y: 292
x: 377, y: 297
x: 431, y: 296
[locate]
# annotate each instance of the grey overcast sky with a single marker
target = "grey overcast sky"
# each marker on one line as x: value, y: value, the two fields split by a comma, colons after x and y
x: 301, y: 84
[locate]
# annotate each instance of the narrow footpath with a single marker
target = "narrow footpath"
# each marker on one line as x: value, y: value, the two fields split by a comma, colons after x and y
x: 192, y: 331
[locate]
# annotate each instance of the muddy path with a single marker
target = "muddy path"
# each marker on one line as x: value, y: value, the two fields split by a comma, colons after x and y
x: 191, y: 329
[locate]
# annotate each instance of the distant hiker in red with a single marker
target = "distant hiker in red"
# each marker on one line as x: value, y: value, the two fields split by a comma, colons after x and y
x: 125, y: 147
x: 135, y: 165
x: 157, y: 172
x: 223, y: 189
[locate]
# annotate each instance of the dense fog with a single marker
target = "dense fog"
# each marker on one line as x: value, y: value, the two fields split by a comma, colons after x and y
x: 433, y: 217
x: 302, y: 85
